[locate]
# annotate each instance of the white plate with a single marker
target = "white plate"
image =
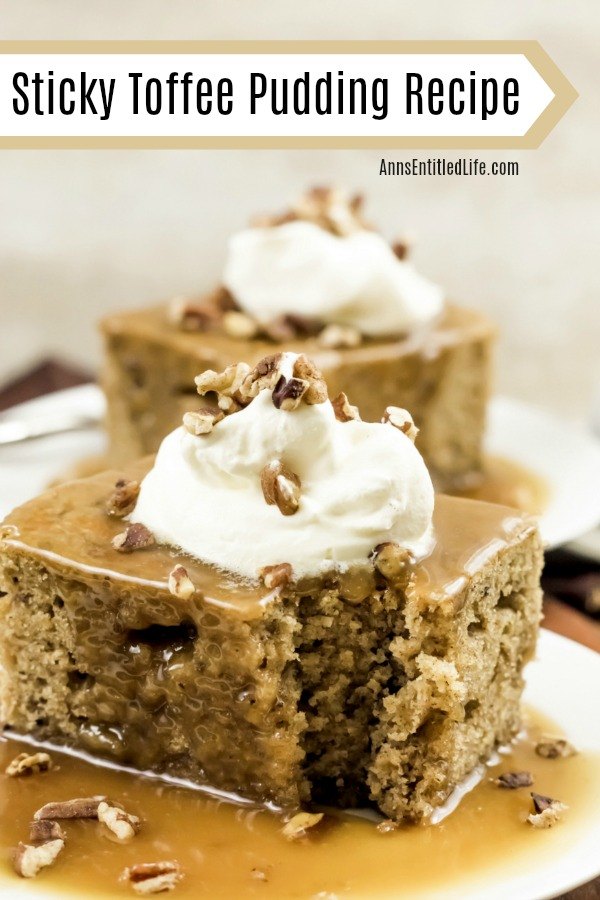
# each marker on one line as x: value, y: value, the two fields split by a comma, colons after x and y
x: 27, y: 468
x: 563, y: 683
x: 567, y: 458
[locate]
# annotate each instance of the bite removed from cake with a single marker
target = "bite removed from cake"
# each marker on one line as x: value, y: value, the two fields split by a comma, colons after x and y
x: 278, y: 612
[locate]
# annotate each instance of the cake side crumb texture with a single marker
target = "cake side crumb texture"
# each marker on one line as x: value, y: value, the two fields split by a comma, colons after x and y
x: 343, y: 690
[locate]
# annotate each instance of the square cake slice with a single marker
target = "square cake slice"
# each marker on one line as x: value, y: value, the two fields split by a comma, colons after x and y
x: 441, y: 373
x: 384, y: 684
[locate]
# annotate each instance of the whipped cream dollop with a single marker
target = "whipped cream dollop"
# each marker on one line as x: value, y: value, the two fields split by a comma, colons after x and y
x: 354, y: 279
x: 360, y: 484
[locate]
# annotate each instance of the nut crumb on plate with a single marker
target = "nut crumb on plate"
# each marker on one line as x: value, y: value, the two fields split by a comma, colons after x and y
x: 28, y: 860
x: 554, y: 748
x: 298, y: 826
x: 153, y: 878
x: 78, y: 808
x: 28, y: 764
x: 122, y: 824
x: 44, y: 830
x: 547, y: 811
x: 513, y: 780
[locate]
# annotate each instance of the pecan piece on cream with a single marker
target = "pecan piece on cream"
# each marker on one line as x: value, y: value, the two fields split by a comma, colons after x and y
x: 193, y: 315
x: 276, y: 576
x: 45, y: 830
x: 289, y: 326
x: 401, y: 249
x: 136, y: 537
x: 513, y: 780
x: 402, y: 420
x: 393, y: 562
x: 239, y: 325
x: 343, y: 409
x: 331, y: 210
x: 228, y: 382
x: 123, y: 499
x: 279, y: 330
x: 154, y: 877
x: 547, y: 811
x: 554, y: 748
x: 280, y: 487
x: 298, y: 826
x: 78, y: 808
x: 340, y: 337
x: 180, y: 584
x: 29, y: 859
x: 305, y: 369
x: 28, y: 764
x: 122, y: 824
x: 262, y: 377
x: 201, y: 421
x: 288, y: 393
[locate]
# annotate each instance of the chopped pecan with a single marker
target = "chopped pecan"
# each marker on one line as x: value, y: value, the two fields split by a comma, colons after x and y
x: 289, y: 326
x: 513, y: 780
x: 280, y: 487
x: 28, y: 859
x: 554, y: 748
x: 28, y: 764
x: 123, y: 499
x: 279, y: 330
x: 223, y: 300
x: 547, y: 812
x: 276, y: 576
x: 45, y: 830
x: 137, y: 537
x: 340, y: 337
x: 79, y: 808
x: 122, y: 824
x: 401, y: 249
x: 305, y: 369
x: 193, y: 315
x: 331, y: 209
x: 239, y: 325
x: 402, y: 420
x: 344, y: 411
x: 201, y: 421
x: 288, y: 393
x: 262, y: 377
x: 180, y: 584
x: 304, y: 326
x: 297, y: 827
x: 259, y: 874
x: 393, y: 562
x: 152, y: 878
x: 228, y: 382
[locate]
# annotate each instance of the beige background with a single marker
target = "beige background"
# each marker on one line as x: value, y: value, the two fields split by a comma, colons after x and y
x: 83, y: 232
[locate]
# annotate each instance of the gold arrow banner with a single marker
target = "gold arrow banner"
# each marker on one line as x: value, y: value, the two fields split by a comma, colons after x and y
x: 279, y: 94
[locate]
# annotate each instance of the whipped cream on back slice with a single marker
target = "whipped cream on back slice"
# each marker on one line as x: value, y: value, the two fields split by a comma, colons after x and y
x: 360, y: 484
x: 355, y: 279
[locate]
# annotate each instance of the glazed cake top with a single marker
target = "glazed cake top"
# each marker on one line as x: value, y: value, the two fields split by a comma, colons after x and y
x: 69, y: 529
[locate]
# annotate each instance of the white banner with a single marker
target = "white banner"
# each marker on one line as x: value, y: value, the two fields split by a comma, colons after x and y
x: 270, y: 95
